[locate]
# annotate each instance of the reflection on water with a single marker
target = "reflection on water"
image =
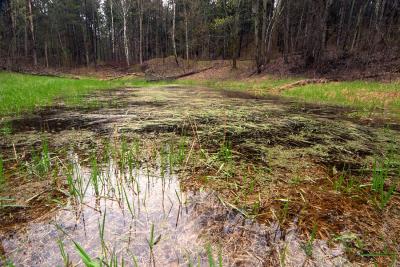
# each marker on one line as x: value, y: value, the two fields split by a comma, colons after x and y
x: 141, y: 217
x: 127, y: 205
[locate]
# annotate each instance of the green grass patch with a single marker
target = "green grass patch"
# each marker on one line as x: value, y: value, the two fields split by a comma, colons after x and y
x: 25, y: 93
x: 368, y: 96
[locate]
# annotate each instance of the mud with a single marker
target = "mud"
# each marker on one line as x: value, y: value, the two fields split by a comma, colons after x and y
x: 291, y: 150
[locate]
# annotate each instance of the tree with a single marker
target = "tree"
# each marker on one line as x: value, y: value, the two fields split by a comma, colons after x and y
x: 173, y: 31
x: 125, y: 4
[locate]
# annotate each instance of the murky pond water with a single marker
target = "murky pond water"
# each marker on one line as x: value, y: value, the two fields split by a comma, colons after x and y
x: 137, y: 215
x: 142, y: 215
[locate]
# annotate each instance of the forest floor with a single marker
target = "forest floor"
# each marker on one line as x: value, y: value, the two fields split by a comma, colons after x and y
x: 263, y: 171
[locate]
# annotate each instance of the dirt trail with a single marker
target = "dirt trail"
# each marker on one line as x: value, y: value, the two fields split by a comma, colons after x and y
x: 261, y: 152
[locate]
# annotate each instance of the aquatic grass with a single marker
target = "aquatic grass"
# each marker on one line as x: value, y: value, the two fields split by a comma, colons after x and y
x: 346, y: 183
x: 64, y: 254
x: 284, y: 210
x: 282, y: 255
x: 135, y: 262
x: 339, y: 182
x: 385, y: 253
x: 152, y: 241
x: 76, y: 183
x: 102, y: 226
x: 308, y: 247
x: 87, y: 260
x: 225, y: 152
x: 40, y: 163
x: 380, y: 175
x: 130, y: 208
x: 210, y: 257
x: 73, y: 191
x: 94, y: 176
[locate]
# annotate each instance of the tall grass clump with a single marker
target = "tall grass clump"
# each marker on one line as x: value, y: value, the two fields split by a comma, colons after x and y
x: 40, y: 164
x: 225, y: 152
x: 380, y: 175
x: 308, y: 247
x: 95, y: 174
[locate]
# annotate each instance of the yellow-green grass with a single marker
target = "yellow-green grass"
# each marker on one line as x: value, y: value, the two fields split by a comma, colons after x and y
x: 365, y: 95
x: 21, y: 93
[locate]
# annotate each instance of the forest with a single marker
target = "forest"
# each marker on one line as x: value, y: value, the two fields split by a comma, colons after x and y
x: 74, y: 33
x: 199, y: 133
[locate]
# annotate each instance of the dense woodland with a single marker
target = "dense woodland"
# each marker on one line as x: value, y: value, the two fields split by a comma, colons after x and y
x: 72, y: 33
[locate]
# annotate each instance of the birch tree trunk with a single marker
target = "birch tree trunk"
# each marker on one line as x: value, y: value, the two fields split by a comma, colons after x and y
x: 112, y: 30
x: 272, y: 26
x: 173, y: 31
x: 32, y: 31
x: 125, y: 6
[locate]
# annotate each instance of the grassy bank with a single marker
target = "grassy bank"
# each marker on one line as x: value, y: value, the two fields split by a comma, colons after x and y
x: 24, y: 93
x: 368, y: 97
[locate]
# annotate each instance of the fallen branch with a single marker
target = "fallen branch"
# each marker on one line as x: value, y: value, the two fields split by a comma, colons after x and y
x: 299, y: 83
x: 123, y: 76
x: 154, y: 78
x: 46, y: 74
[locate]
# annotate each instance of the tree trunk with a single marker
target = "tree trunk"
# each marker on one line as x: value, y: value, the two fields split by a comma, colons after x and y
x: 141, y: 32
x: 173, y: 31
x: 124, y: 20
x: 271, y: 27
x: 32, y: 31
x: 358, y: 26
x: 26, y: 38
x: 324, y: 30
x: 14, y: 31
x: 46, y: 56
x: 186, y: 33
x: 257, y: 12
x: 236, y: 31
x: 112, y: 29
x: 286, y: 33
